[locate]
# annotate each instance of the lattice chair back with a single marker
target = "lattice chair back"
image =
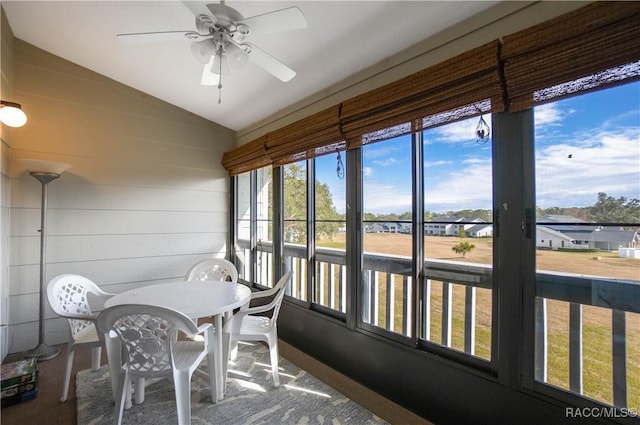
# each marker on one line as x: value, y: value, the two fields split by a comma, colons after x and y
x: 213, y: 269
x: 147, y: 342
x: 151, y: 347
x: 68, y: 295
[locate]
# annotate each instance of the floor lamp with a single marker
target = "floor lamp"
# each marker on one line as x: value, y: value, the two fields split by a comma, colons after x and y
x: 45, y: 172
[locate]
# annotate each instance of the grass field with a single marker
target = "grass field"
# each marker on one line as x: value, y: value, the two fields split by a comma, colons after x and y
x: 597, y: 334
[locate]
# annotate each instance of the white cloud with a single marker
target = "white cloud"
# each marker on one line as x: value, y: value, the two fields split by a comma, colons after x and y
x: 467, y: 188
x: 367, y: 171
x: 436, y: 163
x: 386, y: 163
x: 461, y: 131
x: 572, y: 174
x: 548, y: 115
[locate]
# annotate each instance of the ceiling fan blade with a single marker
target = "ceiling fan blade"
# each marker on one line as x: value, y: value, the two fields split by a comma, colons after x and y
x: 161, y: 36
x: 198, y: 8
x: 287, y: 19
x: 270, y: 64
x: 209, y: 78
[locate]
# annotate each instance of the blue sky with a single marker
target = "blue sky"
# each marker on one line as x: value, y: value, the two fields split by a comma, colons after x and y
x: 600, y: 130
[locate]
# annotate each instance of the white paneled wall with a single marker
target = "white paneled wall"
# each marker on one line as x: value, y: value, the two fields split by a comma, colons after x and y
x: 144, y: 199
x: 6, y: 90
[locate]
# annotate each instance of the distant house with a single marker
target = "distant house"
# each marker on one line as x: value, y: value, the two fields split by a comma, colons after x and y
x: 564, y: 231
x: 480, y: 230
x: 451, y: 226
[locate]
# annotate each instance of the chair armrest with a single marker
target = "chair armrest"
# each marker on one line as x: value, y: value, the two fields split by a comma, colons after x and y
x: 261, y: 294
x: 87, y: 317
x: 204, y: 327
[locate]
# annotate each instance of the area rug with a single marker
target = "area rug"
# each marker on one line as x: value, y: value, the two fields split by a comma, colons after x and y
x: 250, y: 398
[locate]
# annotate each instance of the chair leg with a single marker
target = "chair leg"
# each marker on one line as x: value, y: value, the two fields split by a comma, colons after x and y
x: 273, y: 352
x: 67, y: 373
x: 233, y: 350
x: 182, y: 385
x: 139, y: 390
x: 96, y: 353
x: 122, y: 384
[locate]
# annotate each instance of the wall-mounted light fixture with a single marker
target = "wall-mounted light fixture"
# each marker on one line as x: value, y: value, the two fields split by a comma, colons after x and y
x: 11, y: 114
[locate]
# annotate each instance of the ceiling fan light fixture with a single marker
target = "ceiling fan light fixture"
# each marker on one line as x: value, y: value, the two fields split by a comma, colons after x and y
x: 203, y: 50
x: 221, y: 64
x: 208, y: 78
x: 237, y: 56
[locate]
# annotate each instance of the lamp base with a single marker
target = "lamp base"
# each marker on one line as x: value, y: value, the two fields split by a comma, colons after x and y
x: 43, y: 352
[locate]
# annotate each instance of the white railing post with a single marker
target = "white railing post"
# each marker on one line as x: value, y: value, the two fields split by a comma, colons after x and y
x: 447, y: 309
x: 470, y: 320
x: 375, y: 301
x: 332, y: 286
x: 407, y: 306
x: 321, y: 285
x: 343, y: 289
x: 540, y: 349
x: 426, y: 310
x: 366, y: 296
x: 391, y: 302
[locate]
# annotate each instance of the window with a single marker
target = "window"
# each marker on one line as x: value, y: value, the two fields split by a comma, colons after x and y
x: 387, y: 229
x: 457, y: 302
x: 264, y: 227
x: 588, y: 188
x: 242, y: 246
x: 330, y: 232
x: 295, y: 226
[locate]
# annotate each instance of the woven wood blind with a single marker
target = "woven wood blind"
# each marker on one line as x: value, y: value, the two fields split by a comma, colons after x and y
x: 301, y: 139
x: 582, y: 44
x: 247, y: 157
x: 463, y: 80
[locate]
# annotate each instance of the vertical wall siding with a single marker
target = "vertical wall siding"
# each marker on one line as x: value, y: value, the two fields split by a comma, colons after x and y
x: 145, y: 198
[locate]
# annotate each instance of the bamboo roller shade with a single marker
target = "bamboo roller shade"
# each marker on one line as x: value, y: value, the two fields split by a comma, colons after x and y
x: 582, y: 43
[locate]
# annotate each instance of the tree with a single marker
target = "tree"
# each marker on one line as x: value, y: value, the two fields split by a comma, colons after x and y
x: 462, y: 248
x: 611, y: 210
x: 295, y: 207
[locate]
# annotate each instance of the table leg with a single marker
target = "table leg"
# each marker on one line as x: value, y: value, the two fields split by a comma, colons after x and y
x: 219, y: 356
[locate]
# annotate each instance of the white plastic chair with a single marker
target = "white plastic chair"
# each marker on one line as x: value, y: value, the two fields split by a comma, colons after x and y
x: 213, y: 269
x: 245, y: 325
x: 68, y: 295
x: 151, y: 349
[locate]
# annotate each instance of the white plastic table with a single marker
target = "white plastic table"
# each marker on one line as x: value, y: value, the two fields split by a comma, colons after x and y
x: 195, y: 299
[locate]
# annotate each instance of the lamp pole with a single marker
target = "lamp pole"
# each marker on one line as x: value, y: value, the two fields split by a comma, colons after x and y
x: 43, y: 351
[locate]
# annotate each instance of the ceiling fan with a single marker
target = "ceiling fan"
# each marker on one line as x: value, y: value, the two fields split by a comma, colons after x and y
x: 219, y: 41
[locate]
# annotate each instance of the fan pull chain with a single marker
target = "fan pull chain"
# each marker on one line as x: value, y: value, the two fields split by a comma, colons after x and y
x: 220, y: 81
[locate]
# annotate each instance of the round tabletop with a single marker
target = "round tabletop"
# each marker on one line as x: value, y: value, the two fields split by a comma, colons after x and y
x: 194, y: 299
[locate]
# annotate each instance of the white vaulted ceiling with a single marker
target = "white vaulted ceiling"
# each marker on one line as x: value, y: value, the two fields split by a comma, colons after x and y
x: 342, y: 39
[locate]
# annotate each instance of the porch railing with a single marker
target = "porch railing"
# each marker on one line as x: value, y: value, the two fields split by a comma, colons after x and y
x: 391, y: 275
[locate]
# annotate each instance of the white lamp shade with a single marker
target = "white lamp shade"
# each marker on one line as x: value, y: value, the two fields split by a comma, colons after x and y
x: 12, y: 116
x: 42, y: 166
x: 208, y: 77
